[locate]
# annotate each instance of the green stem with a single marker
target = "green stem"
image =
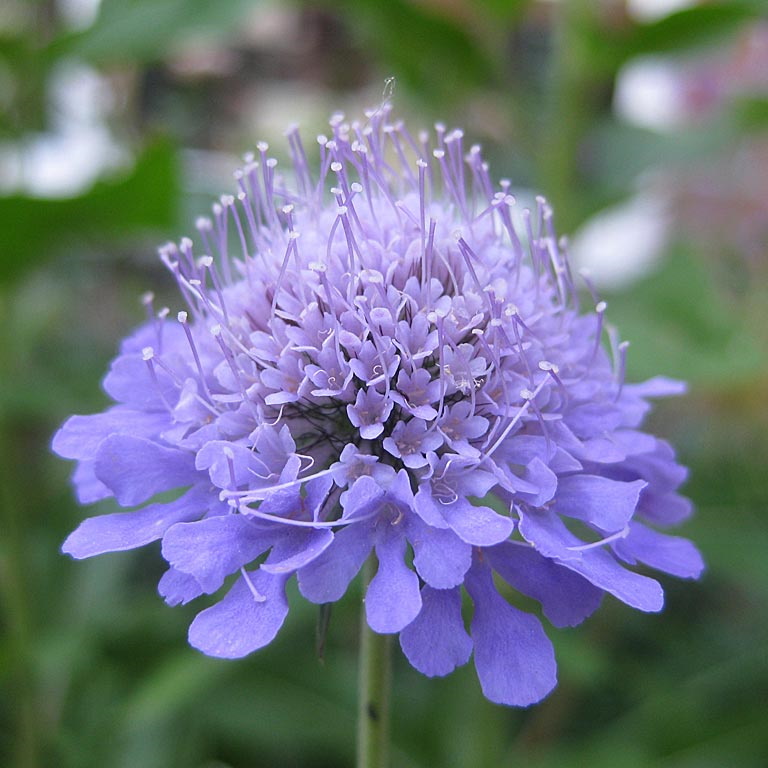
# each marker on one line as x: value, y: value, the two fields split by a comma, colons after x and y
x: 374, y: 684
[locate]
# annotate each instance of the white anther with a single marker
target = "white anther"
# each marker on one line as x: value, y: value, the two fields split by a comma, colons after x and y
x: 147, y: 353
x: 182, y: 317
x: 545, y: 365
x: 336, y: 166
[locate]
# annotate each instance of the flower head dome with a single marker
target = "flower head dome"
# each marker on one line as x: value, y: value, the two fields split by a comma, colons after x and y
x: 388, y: 356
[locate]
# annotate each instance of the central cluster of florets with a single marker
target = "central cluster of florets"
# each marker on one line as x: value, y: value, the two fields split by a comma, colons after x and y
x: 402, y: 369
x: 372, y: 330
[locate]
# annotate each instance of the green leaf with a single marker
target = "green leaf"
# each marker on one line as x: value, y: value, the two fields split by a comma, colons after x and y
x: 428, y: 51
x: 705, y: 24
x: 691, y: 27
x: 145, y: 30
x: 144, y: 199
x: 679, y: 324
x: 620, y: 152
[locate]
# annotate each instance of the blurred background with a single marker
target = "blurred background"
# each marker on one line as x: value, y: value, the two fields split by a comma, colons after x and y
x: 646, y: 124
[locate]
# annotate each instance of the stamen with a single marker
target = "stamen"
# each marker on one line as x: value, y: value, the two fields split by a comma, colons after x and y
x: 600, y: 310
x: 182, y: 318
x: 622, y: 534
x: 148, y: 355
x: 622, y: 367
x: 257, y: 596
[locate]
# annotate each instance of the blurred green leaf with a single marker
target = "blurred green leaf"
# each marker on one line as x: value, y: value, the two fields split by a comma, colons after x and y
x: 691, y: 27
x: 144, y: 199
x: 429, y: 51
x: 678, y: 323
x: 752, y: 113
x: 145, y: 30
x: 704, y: 24
x: 618, y: 152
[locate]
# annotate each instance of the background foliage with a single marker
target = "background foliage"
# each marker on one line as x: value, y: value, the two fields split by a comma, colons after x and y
x: 94, y: 668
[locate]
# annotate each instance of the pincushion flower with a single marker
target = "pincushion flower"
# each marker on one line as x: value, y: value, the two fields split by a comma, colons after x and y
x: 386, y: 357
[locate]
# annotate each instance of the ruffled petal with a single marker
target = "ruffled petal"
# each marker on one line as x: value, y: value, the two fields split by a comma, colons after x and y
x: 178, y: 588
x: 88, y: 487
x: 326, y: 578
x: 128, y: 530
x: 80, y: 436
x: 392, y: 600
x: 135, y: 469
x: 514, y: 658
x: 671, y: 554
x: 599, y: 501
x: 242, y: 622
x: 213, y: 548
x: 548, y: 534
x: 566, y: 598
x: 439, y: 555
x: 297, y: 548
x: 436, y: 642
x: 477, y: 525
x: 128, y: 381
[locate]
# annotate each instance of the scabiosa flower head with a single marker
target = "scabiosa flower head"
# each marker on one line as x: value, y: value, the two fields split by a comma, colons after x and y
x: 386, y: 357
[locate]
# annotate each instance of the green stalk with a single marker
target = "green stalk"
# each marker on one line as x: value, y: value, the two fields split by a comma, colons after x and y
x: 374, y: 683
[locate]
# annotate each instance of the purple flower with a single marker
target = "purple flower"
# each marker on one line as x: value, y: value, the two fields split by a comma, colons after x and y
x: 398, y: 363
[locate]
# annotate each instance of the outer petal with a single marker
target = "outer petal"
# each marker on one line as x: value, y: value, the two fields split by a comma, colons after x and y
x: 79, y: 437
x: 296, y: 548
x: 216, y: 455
x: 326, y: 578
x: 128, y: 382
x: 213, y: 548
x: 427, y: 508
x: 436, y: 642
x: 479, y: 526
x: 393, y: 599
x: 242, y: 622
x: 439, y: 555
x: 551, y: 538
x: 566, y: 598
x: 514, y: 658
x: 607, y: 504
x: 127, y: 530
x: 671, y: 554
x: 135, y: 469
x: 89, y: 488
x: 178, y: 588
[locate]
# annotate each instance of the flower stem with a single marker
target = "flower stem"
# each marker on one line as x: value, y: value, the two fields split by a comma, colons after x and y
x: 374, y: 682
